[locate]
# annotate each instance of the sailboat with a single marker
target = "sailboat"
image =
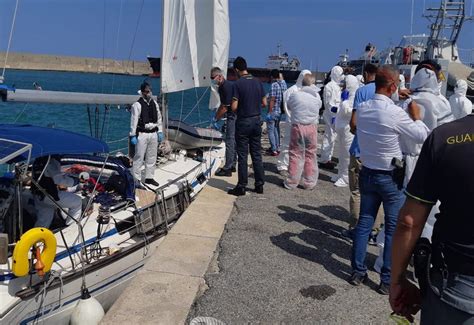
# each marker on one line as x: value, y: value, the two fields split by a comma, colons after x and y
x: 44, y: 273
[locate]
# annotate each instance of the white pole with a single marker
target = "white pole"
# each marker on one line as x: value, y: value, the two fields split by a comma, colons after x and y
x: 9, y: 42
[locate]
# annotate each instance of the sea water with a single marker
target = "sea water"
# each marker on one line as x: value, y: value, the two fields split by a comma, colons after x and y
x: 191, y: 106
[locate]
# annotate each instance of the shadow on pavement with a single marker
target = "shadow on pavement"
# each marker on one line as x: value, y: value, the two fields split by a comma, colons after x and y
x: 320, y: 243
x: 220, y: 184
x: 331, y: 211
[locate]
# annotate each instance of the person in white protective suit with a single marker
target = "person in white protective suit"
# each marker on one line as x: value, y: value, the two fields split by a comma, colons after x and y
x: 460, y: 105
x: 146, y: 131
x: 402, y: 84
x: 360, y: 79
x: 332, y: 99
x: 304, y: 106
x: 434, y: 112
x: 283, y: 158
x: 344, y: 135
x: 56, y: 184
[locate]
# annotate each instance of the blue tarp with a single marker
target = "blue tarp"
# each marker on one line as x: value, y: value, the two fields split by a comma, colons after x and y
x: 47, y: 141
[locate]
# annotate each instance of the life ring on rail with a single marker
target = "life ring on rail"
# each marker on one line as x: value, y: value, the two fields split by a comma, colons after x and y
x: 21, y: 264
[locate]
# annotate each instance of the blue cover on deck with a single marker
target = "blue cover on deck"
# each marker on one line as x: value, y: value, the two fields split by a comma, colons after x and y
x: 47, y: 141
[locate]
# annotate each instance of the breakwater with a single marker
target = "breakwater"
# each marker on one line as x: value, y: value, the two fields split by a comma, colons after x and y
x: 29, y: 61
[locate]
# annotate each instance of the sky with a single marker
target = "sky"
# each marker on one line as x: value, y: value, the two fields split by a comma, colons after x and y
x: 316, y: 31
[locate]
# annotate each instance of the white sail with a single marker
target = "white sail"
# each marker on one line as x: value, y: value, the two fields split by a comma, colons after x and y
x: 196, y: 37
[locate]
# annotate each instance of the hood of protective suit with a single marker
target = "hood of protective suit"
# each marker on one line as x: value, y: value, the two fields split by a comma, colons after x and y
x: 402, y: 82
x: 337, y: 74
x: 352, y: 84
x: 461, y: 87
x: 312, y: 90
x: 299, y: 81
x: 425, y: 81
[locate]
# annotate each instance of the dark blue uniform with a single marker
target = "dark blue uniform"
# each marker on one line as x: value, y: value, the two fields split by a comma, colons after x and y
x: 249, y: 92
x: 225, y: 93
x: 445, y: 172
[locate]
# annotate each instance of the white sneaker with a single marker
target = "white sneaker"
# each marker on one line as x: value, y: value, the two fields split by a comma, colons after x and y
x: 334, y: 178
x: 341, y: 183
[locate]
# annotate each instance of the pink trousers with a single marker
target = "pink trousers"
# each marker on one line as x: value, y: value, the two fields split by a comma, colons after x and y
x: 303, y: 165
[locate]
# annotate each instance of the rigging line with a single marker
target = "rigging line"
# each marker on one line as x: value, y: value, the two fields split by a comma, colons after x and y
x: 197, y: 104
x: 135, y: 34
x: 199, y: 109
x: 180, y: 115
x: 9, y: 40
x: 106, y: 112
x: 117, y: 42
x: 103, y: 48
x: 21, y: 113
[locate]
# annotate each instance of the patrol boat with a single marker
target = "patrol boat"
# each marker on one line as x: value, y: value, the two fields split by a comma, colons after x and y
x: 45, y: 272
x: 440, y: 45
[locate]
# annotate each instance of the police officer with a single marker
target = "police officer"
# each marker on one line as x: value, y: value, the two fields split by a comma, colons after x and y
x: 247, y: 101
x: 225, y: 94
x: 443, y: 172
x: 146, y: 131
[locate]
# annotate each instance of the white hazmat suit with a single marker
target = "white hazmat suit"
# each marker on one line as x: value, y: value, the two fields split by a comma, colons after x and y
x: 460, y: 105
x: 435, y: 111
x: 146, y: 149
x: 283, y: 157
x: 332, y: 98
x: 344, y: 136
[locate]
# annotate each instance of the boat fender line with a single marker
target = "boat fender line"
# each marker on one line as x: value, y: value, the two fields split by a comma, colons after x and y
x: 21, y: 265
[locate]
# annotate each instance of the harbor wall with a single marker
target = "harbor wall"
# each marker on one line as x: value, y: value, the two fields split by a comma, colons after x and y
x: 28, y: 61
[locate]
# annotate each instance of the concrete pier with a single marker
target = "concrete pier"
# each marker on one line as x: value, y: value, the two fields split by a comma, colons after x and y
x: 278, y: 257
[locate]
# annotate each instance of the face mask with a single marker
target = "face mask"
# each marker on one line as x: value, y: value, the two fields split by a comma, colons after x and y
x: 214, y: 82
x: 147, y: 96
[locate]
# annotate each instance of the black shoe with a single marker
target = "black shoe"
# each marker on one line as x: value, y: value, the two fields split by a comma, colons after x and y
x: 357, y: 279
x: 259, y: 189
x: 327, y: 165
x: 151, y: 181
x: 237, y: 191
x: 383, y: 288
x: 233, y: 169
x: 224, y: 172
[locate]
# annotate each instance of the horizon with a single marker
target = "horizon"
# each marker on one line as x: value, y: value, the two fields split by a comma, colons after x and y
x: 125, y: 30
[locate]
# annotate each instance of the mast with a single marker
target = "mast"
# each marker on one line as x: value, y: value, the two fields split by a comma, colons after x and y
x: 446, y: 24
x: 164, y: 109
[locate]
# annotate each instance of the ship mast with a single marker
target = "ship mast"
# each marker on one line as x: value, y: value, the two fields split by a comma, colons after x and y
x: 446, y: 24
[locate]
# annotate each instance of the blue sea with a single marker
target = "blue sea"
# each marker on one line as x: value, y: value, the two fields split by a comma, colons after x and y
x: 190, y: 105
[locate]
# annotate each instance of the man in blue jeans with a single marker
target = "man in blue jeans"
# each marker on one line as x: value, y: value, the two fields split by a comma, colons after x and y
x: 274, y: 112
x: 379, y: 126
x: 247, y: 101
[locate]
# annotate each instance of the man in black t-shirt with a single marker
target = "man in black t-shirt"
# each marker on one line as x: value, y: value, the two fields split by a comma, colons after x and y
x: 247, y: 101
x: 444, y: 172
x: 225, y: 94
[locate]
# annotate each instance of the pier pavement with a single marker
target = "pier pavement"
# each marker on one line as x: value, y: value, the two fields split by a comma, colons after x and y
x: 281, y: 259
x: 277, y: 257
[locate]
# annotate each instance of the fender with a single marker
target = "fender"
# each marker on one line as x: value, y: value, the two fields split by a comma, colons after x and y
x: 21, y: 265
